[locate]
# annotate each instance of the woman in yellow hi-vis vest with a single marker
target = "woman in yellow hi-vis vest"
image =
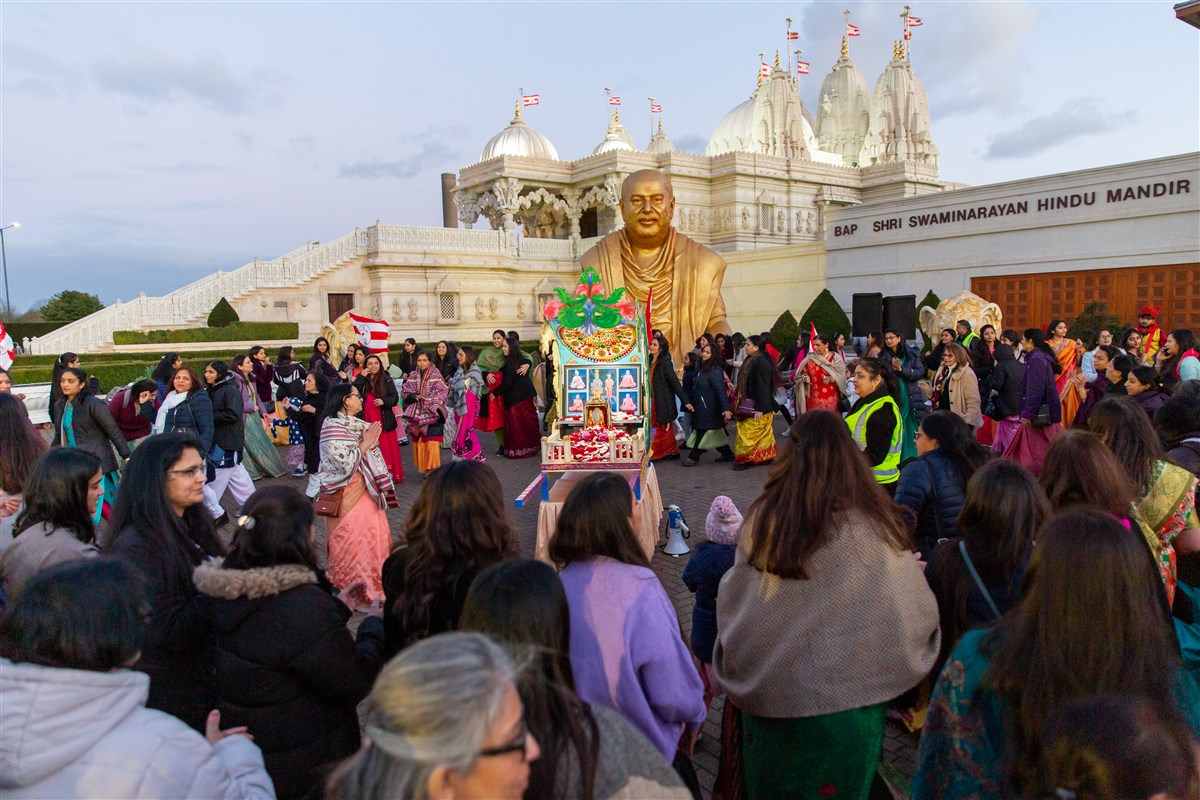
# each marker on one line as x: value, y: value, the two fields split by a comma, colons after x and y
x: 875, y: 421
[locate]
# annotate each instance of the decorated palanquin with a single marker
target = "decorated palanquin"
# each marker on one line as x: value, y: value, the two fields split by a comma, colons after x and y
x: 599, y: 348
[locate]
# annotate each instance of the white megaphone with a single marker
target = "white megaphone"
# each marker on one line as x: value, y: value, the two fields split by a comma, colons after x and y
x: 677, y: 531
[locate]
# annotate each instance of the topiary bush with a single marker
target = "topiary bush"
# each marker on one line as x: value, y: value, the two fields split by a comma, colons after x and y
x: 827, y: 315
x: 233, y: 332
x: 1091, y: 320
x: 222, y: 315
x: 785, y: 331
x: 931, y: 300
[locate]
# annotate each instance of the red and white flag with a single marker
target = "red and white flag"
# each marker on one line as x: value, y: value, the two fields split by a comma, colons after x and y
x: 793, y: 36
x: 372, y: 333
x: 530, y: 99
x: 614, y: 101
x: 802, y: 67
x: 8, y: 352
x: 912, y: 22
x: 764, y: 70
x: 907, y: 34
x: 812, y: 327
x: 852, y: 30
x: 655, y: 108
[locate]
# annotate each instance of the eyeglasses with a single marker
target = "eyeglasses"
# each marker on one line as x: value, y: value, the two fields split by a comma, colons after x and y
x: 920, y: 435
x: 190, y: 472
x: 517, y: 745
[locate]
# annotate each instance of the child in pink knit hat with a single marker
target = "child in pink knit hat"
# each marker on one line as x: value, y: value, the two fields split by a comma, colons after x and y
x: 708, y: 564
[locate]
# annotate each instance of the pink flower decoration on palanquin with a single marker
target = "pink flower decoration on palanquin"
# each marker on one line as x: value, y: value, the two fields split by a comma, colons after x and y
x: 588, y: 291
x: 551, y: 309
x: 626, y: 307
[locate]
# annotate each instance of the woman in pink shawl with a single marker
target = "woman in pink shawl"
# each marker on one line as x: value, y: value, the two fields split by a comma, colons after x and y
x: 359, y: 538
x: 425, y: 413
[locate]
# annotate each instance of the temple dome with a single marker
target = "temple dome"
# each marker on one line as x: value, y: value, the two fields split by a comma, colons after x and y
x: 617, y: 138
x: 735, y: 131
x: 772, y: 122
x: 518, y: 139
x: 899, y: 129
x: 844, y: 109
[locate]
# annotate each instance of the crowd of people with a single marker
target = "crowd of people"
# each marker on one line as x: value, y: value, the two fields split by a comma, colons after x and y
x: 995, y: 545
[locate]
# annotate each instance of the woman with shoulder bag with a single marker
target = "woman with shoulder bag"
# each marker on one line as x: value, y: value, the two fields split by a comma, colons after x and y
x: 755, y: 410
x: 355, y: 491
x: 82, y: 420
x: 380, y: 399
x: 187, y: 409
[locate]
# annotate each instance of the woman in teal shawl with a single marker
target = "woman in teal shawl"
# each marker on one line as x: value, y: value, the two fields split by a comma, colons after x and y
x: 1105, y: 605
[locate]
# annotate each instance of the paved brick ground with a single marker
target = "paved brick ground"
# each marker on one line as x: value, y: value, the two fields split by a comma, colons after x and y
x: 692, y: 490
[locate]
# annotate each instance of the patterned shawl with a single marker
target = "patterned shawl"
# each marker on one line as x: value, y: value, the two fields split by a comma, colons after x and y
x: 431, y: 392
x: 341, y: 458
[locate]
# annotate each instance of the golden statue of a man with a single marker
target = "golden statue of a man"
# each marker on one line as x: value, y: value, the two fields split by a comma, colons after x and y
x: 648, y: 254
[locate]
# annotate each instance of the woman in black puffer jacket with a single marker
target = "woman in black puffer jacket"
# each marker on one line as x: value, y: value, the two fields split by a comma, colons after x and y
x: 228, y: 441
x: 287, y: 667
x: 934, y: 486
x: 710, y: 402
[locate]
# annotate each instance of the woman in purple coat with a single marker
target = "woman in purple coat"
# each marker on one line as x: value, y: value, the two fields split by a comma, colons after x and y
x: 1041, y: 409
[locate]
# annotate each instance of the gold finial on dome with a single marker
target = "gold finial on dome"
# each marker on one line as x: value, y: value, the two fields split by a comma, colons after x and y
x: 845, y: 48
x: 776, y: 59
x: 761, y: 55
x: 517, y: 109
x: 660, y: 124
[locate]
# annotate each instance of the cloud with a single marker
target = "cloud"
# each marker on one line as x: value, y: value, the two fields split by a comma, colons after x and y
x: 433, y: 148
x: 691, y: 143
x: 965, y: 59
x: 1083, y: 116
x: 34, y: 72
x: 243, y: 138
x: 186, y: 168
x: 150, y: 77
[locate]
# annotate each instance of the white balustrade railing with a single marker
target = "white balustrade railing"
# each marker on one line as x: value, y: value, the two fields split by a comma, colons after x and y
x: 196, y: 299
x: 548, y: 248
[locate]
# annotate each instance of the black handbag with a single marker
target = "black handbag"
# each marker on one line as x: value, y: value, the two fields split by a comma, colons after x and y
x: 745, y: 410
x: 1043, y: 416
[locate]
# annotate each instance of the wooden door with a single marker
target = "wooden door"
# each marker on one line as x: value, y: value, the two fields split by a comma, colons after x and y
x: 339, y: 304
x: 1032, y: 300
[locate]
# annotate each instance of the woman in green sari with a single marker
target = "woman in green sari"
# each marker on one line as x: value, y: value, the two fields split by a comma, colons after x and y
x: 1165, y: 493
x: 905, y: 363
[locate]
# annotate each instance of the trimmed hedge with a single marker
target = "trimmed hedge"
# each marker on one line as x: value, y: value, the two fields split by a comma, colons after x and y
x: 234, y: 332
x: 109, y: 375
x: 785, y: 331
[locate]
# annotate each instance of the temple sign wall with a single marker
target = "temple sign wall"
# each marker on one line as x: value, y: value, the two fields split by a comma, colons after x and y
x: 1141, y: 214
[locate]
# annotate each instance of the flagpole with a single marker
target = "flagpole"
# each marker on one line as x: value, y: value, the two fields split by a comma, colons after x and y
x: 846, y: 35
x: 761, y: 55
x: 789, y: 44
x: 520, y: 100
x: 651, y: 117
x: 607, y: 94
x: 907, y: 38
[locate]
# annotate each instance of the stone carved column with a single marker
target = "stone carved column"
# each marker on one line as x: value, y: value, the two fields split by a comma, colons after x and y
x: 507, y: 193
x: 468, y: 208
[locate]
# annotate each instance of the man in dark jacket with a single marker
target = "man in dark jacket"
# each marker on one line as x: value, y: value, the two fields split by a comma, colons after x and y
x: 976, y: 348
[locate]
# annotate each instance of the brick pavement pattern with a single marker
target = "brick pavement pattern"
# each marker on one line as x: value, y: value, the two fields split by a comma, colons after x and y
x: 693, y: 490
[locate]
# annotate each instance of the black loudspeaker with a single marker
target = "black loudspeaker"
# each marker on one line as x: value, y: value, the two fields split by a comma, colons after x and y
x: 900, y: 315
x: 867, y: 313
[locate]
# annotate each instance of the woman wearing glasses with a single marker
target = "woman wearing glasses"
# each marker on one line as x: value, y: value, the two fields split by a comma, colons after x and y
x: 353, y: 467
x: 164, y: 530
x: 443, y: 720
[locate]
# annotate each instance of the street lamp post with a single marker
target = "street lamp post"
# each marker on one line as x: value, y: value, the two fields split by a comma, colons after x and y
x: 4, y: 264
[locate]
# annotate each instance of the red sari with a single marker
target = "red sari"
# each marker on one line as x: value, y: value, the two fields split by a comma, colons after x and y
x: 494, y: 421
x: 822, y: 390
x: 389, y: 442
